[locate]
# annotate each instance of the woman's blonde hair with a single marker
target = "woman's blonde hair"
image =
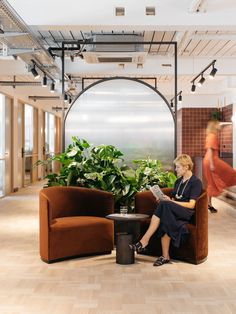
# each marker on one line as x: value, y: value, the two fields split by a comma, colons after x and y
x: 184, y: 160
x: 212, y: 126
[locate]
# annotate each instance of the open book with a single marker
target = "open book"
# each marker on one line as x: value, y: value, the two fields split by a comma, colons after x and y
x: 156, y: 191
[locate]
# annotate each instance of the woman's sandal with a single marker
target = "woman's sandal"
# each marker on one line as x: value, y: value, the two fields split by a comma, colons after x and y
x: 212, y: 209
x: 137, y: 247
x: 161, y: 260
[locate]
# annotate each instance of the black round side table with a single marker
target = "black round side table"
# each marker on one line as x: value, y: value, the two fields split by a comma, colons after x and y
x: 128, y: 234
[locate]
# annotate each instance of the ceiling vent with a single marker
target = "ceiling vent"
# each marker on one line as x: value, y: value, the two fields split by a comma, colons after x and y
x: 150, y: 11
x: 122, y: 48
x: 120, y: 11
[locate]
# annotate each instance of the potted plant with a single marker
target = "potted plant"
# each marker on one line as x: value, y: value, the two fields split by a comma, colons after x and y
x: 216, y: 114
x: 102, y: 167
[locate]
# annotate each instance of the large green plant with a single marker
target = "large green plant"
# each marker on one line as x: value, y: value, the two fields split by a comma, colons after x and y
x: 150, y: 172
x: 103, y: 167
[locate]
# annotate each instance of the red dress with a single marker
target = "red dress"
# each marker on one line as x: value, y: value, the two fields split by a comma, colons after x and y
x: 223, y: 176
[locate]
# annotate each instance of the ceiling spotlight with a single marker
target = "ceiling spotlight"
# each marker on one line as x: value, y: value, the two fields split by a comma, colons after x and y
x: 35, y: 72
x: 213, y: 73
x: 180, y: 97
x: 65, y: 98
x: 201, y: 81
x: 1, y: 28
x: 201, y: 74
x: 80, y: 55
x: 193, y: 88
x: 52, y: 87
x: 44, y: 81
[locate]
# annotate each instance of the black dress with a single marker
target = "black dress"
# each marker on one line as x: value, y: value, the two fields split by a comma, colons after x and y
x: 173, y: 217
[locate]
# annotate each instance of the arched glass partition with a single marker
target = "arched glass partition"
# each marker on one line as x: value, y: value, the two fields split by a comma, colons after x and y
x: 127, y: 114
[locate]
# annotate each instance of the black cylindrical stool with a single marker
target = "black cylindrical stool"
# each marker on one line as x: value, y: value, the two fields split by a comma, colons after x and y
x: 124, y: 255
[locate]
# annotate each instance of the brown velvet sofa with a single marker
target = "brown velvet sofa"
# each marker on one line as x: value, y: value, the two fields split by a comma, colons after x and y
x: 73, y: 223
x: 195, y: 249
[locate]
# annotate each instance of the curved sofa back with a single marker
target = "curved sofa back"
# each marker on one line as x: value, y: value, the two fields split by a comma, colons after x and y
x: 64, y: 201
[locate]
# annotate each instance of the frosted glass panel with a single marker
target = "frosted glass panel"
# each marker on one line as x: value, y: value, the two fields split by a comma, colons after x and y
x: 29, y: 133
x: 126, y: 114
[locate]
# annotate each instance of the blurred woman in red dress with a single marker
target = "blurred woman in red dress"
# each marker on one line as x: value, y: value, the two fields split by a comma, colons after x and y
x: 218, y: 174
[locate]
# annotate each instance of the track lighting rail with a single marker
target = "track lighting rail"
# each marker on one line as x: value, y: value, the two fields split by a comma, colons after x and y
x: 202, y: 80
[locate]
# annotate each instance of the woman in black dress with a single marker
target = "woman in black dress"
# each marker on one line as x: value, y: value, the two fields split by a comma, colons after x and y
x: 173, y: 213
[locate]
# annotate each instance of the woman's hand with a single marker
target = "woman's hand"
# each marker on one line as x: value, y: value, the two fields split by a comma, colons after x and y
x: 166, y: 198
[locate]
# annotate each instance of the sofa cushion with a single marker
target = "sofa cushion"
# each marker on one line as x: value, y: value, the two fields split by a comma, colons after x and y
x: 78, y: 222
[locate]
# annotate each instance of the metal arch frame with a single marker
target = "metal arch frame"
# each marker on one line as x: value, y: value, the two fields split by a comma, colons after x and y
x: 89, y: 42
x: 105, y: 79
x: 138, y: 78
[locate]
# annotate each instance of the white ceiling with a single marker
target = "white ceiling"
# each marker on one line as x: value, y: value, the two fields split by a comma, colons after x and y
x: 201, y: 36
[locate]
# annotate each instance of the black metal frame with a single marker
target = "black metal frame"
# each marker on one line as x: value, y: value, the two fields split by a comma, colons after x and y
x: 84, y: 42
x: 123, y: 78
x: 101, y: 78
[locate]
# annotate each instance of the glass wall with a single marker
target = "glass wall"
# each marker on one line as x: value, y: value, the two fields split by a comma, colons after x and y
x: 49, y: 133
x: 127, y: 114
x: 28, y: 143
x: 29, y: 129
x: 2, y: 145
x: 50, y: 129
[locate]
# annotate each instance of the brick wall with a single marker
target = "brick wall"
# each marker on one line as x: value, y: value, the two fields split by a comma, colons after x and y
x: 191, y: 125
x: 226, y: 139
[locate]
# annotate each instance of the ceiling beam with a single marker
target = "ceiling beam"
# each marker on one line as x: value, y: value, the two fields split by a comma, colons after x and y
x: 34, y: 98
x: 20, y: 83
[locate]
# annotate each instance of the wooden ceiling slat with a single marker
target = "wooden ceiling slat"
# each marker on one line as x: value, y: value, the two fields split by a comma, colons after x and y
x: 215, y: 49
x: 223, y: 51
x: 158, y: 37
x: 208, y: 48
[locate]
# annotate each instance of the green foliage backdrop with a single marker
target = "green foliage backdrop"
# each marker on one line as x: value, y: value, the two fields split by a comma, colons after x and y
x: 102, y: 167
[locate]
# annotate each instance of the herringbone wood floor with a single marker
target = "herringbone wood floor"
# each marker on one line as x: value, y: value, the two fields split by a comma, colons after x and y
x: 98, y: 285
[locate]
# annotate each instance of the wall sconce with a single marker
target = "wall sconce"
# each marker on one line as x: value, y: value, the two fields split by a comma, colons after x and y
x: 202, y: 79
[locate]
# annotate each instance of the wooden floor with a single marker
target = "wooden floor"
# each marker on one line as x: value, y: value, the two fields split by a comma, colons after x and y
x: 98, y: 284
